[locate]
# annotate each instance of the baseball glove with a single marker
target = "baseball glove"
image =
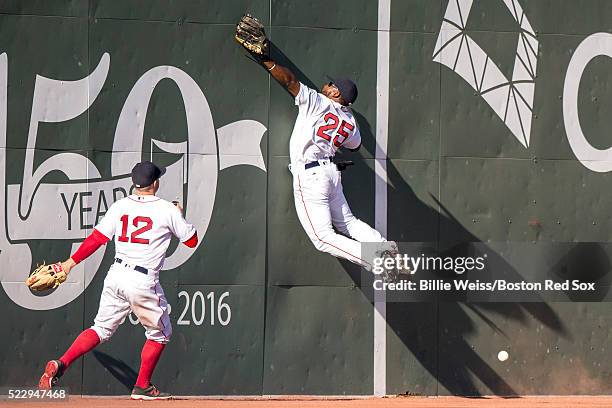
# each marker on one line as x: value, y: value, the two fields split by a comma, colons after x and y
x: 251, y: 35
x: 46, y: 277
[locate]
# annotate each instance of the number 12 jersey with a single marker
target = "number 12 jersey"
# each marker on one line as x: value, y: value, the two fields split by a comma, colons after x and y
x: 142, y: 227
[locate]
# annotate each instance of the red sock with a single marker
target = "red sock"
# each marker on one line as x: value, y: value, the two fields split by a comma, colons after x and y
x: 151, y: 351
x: 86, y: 341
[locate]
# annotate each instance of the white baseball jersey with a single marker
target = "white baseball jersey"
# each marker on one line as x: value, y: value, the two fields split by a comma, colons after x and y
x: 142, y: 227
x: 321, y: 128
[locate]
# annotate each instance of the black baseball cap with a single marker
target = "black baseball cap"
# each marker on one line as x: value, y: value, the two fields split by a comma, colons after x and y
x: 145, y: 173
x: 347, y: 89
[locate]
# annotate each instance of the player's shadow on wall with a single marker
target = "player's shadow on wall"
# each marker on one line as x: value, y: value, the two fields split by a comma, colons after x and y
x: 436, y: 332
x: 118, y: 369
x: 442, y: 347
x: 585, y: 262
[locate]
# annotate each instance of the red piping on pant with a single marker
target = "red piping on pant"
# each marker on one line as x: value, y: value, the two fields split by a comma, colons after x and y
x: 315, y: 231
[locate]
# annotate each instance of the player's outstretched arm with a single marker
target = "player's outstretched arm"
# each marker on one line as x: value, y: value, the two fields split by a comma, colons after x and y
x: 283, y: 76
x: 251, y: 35
x: 91, y: 244
x: 47, y: 277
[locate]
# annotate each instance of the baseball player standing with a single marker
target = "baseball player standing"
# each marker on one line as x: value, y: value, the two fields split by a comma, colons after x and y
x: 324, y: 124
x: 141, y: 225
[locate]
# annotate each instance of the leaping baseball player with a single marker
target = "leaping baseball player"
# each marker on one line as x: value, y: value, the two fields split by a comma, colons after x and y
x: 141, y: 225
x: 324, y: 124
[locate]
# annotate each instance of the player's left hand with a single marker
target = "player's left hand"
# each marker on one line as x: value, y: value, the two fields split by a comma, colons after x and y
x: 46, y: 277
x: 178, y: 205
x: 251, y: 35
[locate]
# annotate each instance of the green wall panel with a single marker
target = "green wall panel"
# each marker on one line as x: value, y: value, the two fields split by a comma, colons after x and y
x: 414, y: 98
x: 180, y: 11
x: 66, y: 8
x: 413, y: 213
x: 412, y: 348
x: 585, y: 220
x: 312, y: 351
x: 480, y: 209
x: 582, y: 17
x: 416, y: 15
x: 325, y: 14
x: 532, y: 205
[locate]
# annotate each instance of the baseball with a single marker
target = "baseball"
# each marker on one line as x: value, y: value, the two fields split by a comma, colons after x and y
x: 502, y: 355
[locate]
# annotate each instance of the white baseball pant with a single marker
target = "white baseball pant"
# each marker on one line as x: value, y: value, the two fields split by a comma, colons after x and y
x: 126, y: 290
x: 321, y: 205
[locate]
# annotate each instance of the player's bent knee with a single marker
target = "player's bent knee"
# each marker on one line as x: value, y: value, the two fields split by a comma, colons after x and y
x: 319, y: 245
x: 103, y: 333
x: 160, y: 335
x: 322, y: 239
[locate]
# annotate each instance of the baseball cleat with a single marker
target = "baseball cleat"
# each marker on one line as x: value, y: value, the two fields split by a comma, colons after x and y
x: 53, y: 370
x: 390, y: 250
x: 150, y: 393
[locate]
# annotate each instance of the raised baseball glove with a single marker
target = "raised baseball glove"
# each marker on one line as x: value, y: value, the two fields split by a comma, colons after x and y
x: 251, y: 35
x: 46, y: 277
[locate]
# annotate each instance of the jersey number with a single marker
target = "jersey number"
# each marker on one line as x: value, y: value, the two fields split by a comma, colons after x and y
x: 134, y: 235
x: 331, y: 121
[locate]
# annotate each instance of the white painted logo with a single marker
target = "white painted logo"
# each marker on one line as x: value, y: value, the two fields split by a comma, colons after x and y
x: 599, y: 160
x: 69, y: 211
x: 511, y: 100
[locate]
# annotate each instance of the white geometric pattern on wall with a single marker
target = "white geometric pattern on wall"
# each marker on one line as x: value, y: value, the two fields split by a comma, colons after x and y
x: 512, y: 100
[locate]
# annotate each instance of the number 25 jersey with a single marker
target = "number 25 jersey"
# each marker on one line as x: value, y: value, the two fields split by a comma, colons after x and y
x: 321, y: 128
x: 142, y: 227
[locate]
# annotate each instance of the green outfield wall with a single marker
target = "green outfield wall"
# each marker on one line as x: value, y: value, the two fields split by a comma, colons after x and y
x: 481, y: 121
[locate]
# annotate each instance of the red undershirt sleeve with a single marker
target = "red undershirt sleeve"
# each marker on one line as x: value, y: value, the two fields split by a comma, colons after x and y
x: 193, y: 241
x: 94, y: 241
